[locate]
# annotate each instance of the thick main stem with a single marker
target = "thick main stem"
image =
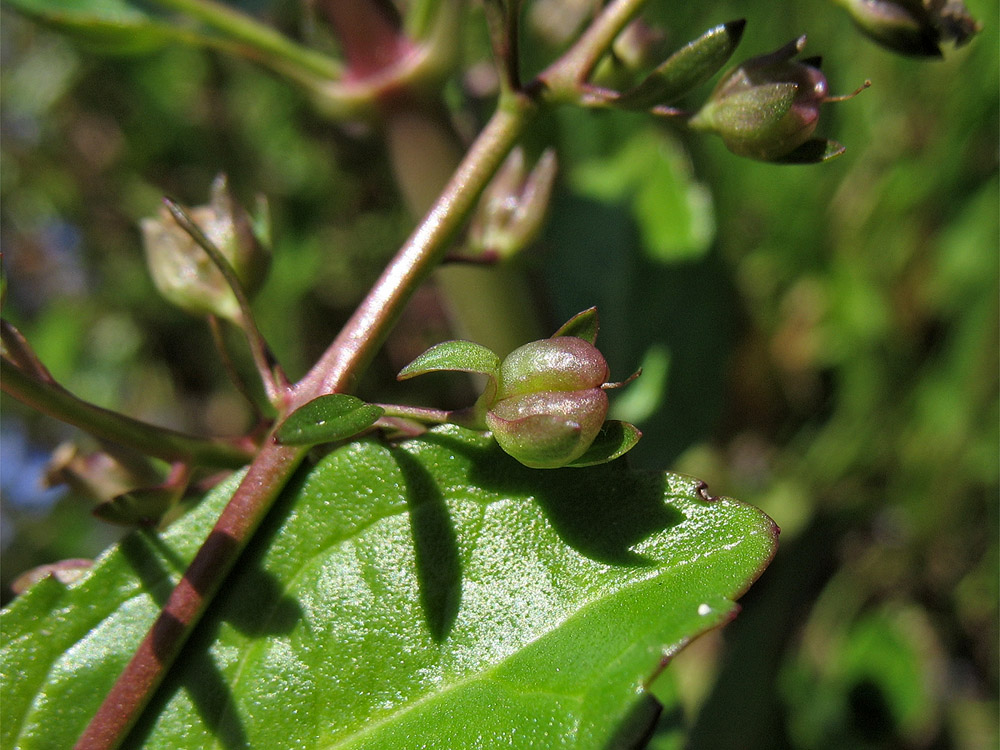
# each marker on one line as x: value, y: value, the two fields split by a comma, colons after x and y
x: 371, y: 322
x: 261, y: 486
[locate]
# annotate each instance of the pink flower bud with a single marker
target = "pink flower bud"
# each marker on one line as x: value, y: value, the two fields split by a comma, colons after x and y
x: 550, y: 405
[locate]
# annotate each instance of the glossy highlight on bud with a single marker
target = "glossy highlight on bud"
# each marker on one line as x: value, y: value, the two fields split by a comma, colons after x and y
x: 546, y: 403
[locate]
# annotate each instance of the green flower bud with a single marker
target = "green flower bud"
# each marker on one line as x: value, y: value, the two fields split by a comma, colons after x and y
x: 548, y: 429
x: 185, y: 274
x: 563, y: 363
x: 550, y: 404
x: 767, y: 107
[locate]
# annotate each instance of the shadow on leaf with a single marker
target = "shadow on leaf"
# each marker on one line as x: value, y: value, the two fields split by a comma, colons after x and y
x: 439, y: 571
x: 601, y: 511
x: 261, y: 610
x: 636, y: 726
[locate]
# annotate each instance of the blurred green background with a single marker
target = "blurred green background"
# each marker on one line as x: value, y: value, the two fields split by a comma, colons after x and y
x: 819, y: 341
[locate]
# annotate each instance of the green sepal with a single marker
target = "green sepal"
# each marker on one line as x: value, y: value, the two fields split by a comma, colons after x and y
x: 813, y: 151
x: 326, y: 419
x: 459, y: 356
x: 691, y: 65
x: 615, y: 439
x: 584, y: 325
x: 740, y: 116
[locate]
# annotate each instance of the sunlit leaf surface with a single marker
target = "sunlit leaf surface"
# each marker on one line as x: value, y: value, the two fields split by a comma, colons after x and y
x: 434, y: 595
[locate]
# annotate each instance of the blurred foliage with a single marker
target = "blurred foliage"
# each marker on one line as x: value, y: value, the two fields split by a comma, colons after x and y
x: 820, y: 341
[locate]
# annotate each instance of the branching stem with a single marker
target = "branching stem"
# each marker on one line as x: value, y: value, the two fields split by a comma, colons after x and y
x: 363, y: 334
x: 338, y: 371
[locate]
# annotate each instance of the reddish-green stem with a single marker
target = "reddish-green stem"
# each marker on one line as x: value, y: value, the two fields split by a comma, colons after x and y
x: 357, y: 343
x: 262, y: 484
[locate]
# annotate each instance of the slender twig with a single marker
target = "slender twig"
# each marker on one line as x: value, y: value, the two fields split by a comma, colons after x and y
x: 563, y: 78
x: 337, y: 371
x: 54, y: 400
x: 468, y: 417
x: 424, y: 414
x: 17, y: 348
x: 276, y: 49
x: 271, y: 375
x: 502, y: 18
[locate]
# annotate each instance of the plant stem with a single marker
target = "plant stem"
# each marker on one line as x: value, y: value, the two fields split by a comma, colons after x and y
x: 562, y: 79
x: 424, y: 414
x: 275, y: 48
x: 235, y: 377
x: 54, y: 400
x: 502, y: 19
x: 336, y: 371
x: 20, y: 353
x: 261, y: 486
x: 364, y: 332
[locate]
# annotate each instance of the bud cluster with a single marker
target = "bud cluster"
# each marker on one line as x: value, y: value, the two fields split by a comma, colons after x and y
x: 546, y: 403
x: 550, y: 403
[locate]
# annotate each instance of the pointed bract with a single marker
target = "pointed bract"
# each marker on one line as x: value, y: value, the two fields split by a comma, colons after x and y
x: 690, y: 66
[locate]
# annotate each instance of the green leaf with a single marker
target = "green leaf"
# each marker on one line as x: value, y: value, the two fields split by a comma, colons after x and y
x: 615, y: 439
x: 690, y: 66
x: 460, y: 356
x: 393, y: 589
x: 584, y: 325
x: 326, y: 419
x: 106, y: 25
